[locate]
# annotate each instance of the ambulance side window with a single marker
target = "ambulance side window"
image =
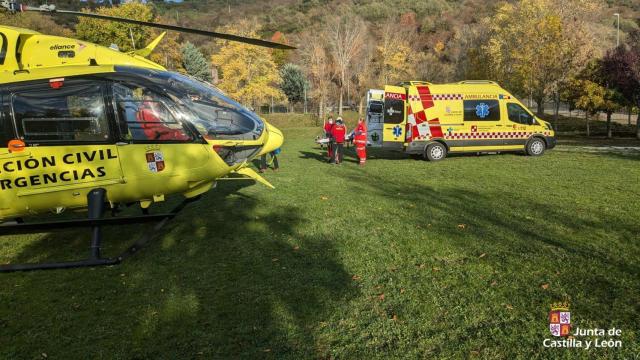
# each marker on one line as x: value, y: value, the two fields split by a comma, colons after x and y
x: 481, y: 110
x: 519, y: 115
x: 75, y: 112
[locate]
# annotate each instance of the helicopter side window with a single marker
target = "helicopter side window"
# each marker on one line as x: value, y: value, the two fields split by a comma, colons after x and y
x: 144, y: 116
x: 73, y: 113
x: 3, y: 48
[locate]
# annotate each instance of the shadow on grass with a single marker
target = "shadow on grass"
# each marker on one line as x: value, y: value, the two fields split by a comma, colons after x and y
x: 227, y: 278
x: 530, y: 241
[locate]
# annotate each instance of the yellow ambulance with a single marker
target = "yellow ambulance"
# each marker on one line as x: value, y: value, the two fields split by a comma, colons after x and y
x: 433, y: 120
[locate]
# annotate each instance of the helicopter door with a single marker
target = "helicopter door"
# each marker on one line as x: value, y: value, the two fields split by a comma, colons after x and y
x: 157, y: 150
x: 70, y: 144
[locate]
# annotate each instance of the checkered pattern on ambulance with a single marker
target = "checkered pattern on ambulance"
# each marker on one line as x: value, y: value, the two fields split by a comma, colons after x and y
x: 437, y: 97
x: 492, y: 135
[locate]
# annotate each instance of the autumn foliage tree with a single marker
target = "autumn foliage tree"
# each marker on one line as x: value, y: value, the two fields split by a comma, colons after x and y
x: 621, y: 71
x: 533, y: 47
x: 104, y: 32
x: 318, y: 65
x: 247, y: 72
x: 346, y: 37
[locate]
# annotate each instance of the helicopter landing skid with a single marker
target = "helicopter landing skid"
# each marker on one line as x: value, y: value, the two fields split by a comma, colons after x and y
x: 96, y: 200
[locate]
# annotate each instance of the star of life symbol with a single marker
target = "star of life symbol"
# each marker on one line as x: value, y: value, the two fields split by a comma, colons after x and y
x: 155, y: 161
x: 397, y: 131
x: 560, y: 320
x: 482, y: 110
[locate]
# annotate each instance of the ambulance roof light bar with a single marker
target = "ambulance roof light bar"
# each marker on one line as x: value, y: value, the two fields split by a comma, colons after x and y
x: 478, y: 82
x: 414, y: 82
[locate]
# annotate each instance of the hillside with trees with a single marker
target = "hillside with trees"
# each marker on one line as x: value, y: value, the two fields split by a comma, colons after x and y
x: 542, y: 50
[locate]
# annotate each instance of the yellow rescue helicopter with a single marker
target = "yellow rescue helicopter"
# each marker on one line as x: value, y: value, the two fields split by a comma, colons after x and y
x: 84, y: 126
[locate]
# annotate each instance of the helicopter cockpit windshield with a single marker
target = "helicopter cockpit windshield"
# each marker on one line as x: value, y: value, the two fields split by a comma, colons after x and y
x: 211, y: 112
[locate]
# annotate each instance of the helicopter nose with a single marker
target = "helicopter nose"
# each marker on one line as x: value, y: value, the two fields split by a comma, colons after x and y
x: 274, y: 139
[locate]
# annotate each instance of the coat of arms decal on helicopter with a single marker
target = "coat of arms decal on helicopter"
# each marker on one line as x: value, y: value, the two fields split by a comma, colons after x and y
x: 155, y: 161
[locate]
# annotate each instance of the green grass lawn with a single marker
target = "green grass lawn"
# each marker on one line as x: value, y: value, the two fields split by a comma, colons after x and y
x: 402, y: 258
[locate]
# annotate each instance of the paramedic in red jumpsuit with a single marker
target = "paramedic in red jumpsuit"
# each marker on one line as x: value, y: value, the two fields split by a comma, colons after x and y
x: 327, y: 133
x: 360, y: 141
x: 338, y: 133
x: 152, y: 125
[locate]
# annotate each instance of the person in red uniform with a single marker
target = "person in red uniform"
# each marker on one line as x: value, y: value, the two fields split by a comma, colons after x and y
x: 152, y: 125
x: 360, y: 140
x: 338, y: 133
x: 327, y: 133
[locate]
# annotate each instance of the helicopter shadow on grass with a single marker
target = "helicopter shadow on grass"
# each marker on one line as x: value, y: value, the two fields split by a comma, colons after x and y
x: 231, y: 276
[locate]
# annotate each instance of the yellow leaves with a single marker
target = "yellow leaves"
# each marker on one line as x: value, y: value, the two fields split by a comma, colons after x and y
x: 110, y: 32
x: 544, y: 286
x: 248, y: 73
x: 439, y: 47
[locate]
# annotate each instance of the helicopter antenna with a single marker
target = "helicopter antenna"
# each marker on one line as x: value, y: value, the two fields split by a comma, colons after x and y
x: 13, y: 7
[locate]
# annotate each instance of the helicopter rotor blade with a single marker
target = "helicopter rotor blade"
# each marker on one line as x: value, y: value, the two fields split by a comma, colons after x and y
x: 50, y: 9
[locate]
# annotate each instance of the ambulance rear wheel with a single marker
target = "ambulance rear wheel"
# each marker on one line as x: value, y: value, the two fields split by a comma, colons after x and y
x: 536, y: 147
x: 435, y: 152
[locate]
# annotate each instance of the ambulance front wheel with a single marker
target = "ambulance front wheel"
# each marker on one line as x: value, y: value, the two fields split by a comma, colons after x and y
x: 536, y: 147
x: 435, y: 152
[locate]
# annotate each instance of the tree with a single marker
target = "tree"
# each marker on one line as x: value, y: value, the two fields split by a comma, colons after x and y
x: 248, y: 72
x: 534, y: 45
x: 105, y: 32
x: 363, y: 77
x: 620, y: 70
x: 318, y: 67
x: 36, y: 22
x: 293, y: 83
x: 394, y: 54
x: 194, y: 63
x: 590, y: 99
x: 346, y: 38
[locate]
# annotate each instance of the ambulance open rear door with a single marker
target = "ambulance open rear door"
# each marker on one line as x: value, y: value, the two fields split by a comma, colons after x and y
x: 394, y: 117
x: 375, y: 117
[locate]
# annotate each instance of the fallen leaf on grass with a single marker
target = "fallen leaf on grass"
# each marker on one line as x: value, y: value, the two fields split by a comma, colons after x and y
x: 401, y: 291
x: 544, y: 286
x: 324, y: 198
x: 395, y: 317
x: 475, y: 353
x: 509, y: 307
x: 462, y: 226
x: 296, y: 248
x: 275, y: 259
x: 44, y: 355
x: 494, y: 283
x: 482, y: 255
x: 435, y: 269
x: 381, y: 297
x: 356, y: 278
x: 266, y: 350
